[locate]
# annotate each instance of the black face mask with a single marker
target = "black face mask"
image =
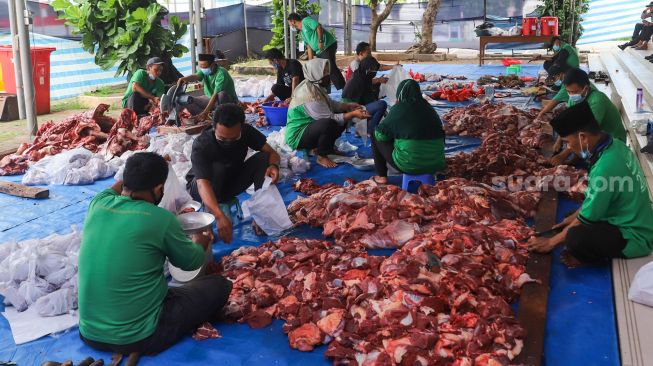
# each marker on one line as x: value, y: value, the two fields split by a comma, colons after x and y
x: 227, y: 144
x: 156, y: 200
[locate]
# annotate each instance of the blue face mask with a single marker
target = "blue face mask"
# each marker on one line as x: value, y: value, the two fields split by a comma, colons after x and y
x: 584, y: 154
x: 575, y: 98
x: 556, y: 48
x: 206, y: 72
x: 558, y: 83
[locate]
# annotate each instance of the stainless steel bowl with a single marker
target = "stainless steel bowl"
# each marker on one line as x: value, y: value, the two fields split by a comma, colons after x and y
x: 363, y: 164
x: 192, y: 204
x: 195, y: 222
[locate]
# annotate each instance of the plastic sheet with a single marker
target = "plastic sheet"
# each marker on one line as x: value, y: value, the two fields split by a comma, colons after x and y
x: 580, y: 327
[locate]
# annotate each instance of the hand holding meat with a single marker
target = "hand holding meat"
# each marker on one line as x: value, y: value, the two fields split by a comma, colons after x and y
x: 543, y: 245
x: 360, y: 114
x: 202, y: 116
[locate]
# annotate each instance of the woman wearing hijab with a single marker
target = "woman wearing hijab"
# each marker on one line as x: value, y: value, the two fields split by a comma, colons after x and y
x: 410, y: 138
x: 314, y: 120
x: 363, y: 88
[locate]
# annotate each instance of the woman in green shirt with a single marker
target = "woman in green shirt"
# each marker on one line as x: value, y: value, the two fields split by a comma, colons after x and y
x: 616, y: 218
x: 315, y: 121
x: 410, y: 138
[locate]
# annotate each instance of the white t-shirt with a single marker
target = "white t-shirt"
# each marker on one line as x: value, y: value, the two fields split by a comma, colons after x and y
x: 354, y: 65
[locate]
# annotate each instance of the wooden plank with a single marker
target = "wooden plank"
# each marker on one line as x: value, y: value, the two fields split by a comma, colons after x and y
x: 20, y: 190
x: 191, y: 130
x: 534, y: 296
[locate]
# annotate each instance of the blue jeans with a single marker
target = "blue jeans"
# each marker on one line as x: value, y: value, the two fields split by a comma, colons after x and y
x: 376, y: 110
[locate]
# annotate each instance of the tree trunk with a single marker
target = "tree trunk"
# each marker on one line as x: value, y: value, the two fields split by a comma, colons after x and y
x: 426, y: 45
x: 377, y: 19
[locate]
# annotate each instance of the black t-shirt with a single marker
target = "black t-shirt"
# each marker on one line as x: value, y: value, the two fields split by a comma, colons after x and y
x: 207, y: 151
x: 293, y: 68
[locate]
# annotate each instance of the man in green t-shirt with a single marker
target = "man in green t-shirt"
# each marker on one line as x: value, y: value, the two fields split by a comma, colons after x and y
x: 125, y: 304
x: 616, y: 218
x: 145, y: 88
x: 577, y: 88
x: 320, y: 43
x: 219, y: 87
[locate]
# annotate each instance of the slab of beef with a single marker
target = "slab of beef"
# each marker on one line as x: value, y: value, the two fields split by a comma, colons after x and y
x: 86, y: 130
x: 126, y: 134
x: 481, y: 119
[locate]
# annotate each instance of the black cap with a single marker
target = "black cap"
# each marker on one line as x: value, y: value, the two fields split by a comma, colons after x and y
x: 155, y: 61
x: 207, y: 57
x: 575, y: 119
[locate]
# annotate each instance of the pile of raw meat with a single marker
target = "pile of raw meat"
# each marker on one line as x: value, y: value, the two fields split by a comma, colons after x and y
x: 384, y: 216
x: 254, y: 109
x: 41, y: 273
x: 503, y: 81
x: 442, y: 299
x: 481, y: 119
x: 91, y: 130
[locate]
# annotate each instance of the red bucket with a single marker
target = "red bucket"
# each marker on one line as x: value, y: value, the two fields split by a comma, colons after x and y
x: 549, y: 26
x: 529, y: 26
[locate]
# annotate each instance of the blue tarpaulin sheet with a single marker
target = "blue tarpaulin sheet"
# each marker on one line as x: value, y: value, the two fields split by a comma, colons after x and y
x: 580, y: 327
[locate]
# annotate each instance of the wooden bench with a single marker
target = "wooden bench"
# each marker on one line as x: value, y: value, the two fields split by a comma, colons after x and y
x: 485, y: 40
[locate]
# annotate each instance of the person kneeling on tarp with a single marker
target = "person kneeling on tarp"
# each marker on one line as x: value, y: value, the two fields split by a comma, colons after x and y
x: 125, y: 304
x: 145, y: 88
x: 220, y: 171
x: 616, y: 218
x: 410, y: 138
x: 314, y: 119
x: 219, y: 87
x: 289, y: 75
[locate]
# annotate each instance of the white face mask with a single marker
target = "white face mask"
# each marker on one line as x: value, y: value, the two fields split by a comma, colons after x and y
x: 584, y: 153
x: 152, y: 77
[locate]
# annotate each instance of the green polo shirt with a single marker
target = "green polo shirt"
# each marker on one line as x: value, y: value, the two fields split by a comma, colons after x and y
x: 572, y: 60
x: 218, y: 81
x: 605, y: 112
x: 309, y: 35
x: 617, y: 193
x: 156, y: 87
x: 121, y: 282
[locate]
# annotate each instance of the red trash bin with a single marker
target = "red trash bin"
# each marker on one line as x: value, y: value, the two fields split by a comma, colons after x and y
x: 40, y: 73
x: 549, y: 26
x: 529, y: 26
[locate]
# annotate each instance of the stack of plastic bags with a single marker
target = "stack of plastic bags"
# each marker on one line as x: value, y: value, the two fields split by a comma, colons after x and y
x: 254, y: 87
x: 291, y: 165
x: 74, y: 167
x: 41, y: 273
x: 178, y: 147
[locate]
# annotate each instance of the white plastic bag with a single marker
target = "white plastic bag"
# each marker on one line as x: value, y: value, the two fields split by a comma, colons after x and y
x: 174, y: 194
x: 389, y: 89
x: 266, y: 207
x: 12, y: 297
x: 515, y: 31
x: 641, y: 290
x: 56, y: 303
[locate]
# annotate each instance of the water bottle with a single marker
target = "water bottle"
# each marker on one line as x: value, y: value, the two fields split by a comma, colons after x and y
x: 649, y: 128
x: 640, y: 100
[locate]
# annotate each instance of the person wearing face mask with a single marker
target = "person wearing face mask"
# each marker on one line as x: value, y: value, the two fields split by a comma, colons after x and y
x: 410, y: 138
x: 289, y: 75
x: 616, y: 219
x: 315, y: 121
x: 219, y: 170
x: 219, y: 87
x: 125, y: 304
x: 577, y: 89
x: 643, y: 31
x: 319, y: 43
x: 363, y: 51
x: 145, y: 88
x: 563, y: 55
x: 363, y: 88
x: 557, y: 74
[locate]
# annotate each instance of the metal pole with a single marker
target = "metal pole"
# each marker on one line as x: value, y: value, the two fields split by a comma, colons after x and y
x: 573, y: 22
x: 285, y: 28
x: 246, y: 36
x: 484, y: 10
x: 191, y: 34
x: 344, y: 24
x: 22, y: 18
x: 198, y: 25
x: 16, y: 60
x: 350, y: 31
x: 293, y: 34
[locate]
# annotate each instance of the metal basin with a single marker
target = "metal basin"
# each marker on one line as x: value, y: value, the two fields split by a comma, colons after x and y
x: 195, y: 222
x: 363, y: 164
